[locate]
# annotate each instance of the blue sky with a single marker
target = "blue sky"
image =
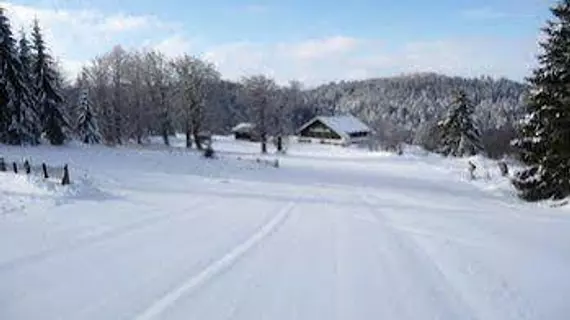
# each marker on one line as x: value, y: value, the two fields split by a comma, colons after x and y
x: 314, y: 41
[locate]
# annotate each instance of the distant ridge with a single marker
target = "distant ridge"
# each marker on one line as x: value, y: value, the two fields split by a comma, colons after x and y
x: 411, y: 100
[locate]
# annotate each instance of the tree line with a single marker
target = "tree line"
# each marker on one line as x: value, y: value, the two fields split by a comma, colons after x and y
x: 139, y: 94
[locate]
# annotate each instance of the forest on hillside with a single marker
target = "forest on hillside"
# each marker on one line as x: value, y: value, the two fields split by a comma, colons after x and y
x: 407, y: 108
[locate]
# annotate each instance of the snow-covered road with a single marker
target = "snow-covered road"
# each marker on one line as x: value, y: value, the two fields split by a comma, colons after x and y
x: 156, y: 235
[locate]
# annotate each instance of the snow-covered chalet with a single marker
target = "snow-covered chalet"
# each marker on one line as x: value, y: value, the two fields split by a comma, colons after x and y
x: 341, y: 130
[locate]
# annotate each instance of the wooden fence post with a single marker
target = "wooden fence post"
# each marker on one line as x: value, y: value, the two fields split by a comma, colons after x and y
x: 504, y: 168
x: 27, y: 167
x: 65, y: 180
x: 2, y: 165
x: 44, y: 169
x: 472, y: 168
x: 279, y: 144
x: 15, y: 167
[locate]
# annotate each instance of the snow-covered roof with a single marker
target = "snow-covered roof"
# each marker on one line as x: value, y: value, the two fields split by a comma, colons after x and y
x: 243, y: 127
x: 343, y: 125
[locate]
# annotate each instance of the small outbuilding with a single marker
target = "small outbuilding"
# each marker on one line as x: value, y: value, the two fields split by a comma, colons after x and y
x: 341, y: 130
x: 245, y: 131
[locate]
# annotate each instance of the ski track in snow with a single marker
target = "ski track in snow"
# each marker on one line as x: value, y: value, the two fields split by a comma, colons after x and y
x: 91, y: 239
x: 434, y: 277
x: 214, y: 269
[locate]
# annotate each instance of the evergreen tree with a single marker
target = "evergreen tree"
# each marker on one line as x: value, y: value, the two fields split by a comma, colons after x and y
x: 31, y: 119
x: 87, y: 128
x: 50, y: 101
x: 460, y: 135
x: 5, y: 58
x: 544, y: 137
x: 15, y: 102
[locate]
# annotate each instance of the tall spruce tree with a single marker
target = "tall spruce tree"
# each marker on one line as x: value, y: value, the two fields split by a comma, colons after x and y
x: 544, y: 139
x: 87, y: 128
x: 460, y: 135
x: 6, y: 55
x: 48, y: 97
x: 15, y: 102
x: 31, y: 117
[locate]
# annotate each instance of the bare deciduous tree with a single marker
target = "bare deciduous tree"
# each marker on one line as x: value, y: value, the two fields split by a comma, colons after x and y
x: 260, y: 94
x: 117, y: 57
x: 138, y: 113
x: 195, y: 79
x: 158, y: 82
x: 99, y: 75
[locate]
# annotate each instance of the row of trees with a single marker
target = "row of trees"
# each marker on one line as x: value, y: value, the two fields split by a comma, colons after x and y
x: 133, y: 95
x: 138, y: 94
x: 30, y: 99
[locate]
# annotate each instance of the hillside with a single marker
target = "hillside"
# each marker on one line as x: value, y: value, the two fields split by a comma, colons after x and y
x: 409, y: 105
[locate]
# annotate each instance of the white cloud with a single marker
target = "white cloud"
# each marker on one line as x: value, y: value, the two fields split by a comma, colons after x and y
x: 353, y: 58
x: 320, y: 48
x: 483, y: 13
x: 122, y: 23
x: 174, y: 45
x: 76, y: 36
x: 238, y: 59
x: 512, y: 58
x: 311, y: 61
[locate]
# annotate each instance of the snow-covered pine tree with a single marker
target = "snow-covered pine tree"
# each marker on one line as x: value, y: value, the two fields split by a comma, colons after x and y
x: 87, y: 127
x: 49, y: 100
x: 31, y: 118
x: 15, y: 100
x: 460, y: 135
x: 5, y: 52
x: 544, y: 136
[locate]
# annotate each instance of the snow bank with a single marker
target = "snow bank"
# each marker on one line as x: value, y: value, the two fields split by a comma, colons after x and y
x: 17, y: 192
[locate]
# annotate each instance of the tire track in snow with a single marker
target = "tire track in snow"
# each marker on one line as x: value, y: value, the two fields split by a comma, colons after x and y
x: 497, y: 287
x: 84, y: 241
x: 217, y: 267
x: 416, y: 256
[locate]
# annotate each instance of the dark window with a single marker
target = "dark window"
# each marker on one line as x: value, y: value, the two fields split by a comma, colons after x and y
x: 361, y: 134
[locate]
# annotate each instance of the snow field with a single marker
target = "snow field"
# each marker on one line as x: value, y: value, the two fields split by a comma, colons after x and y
x: 334, y: 233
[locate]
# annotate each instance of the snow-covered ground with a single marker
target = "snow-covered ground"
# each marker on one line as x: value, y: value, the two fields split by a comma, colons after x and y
x: 333, y: 233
